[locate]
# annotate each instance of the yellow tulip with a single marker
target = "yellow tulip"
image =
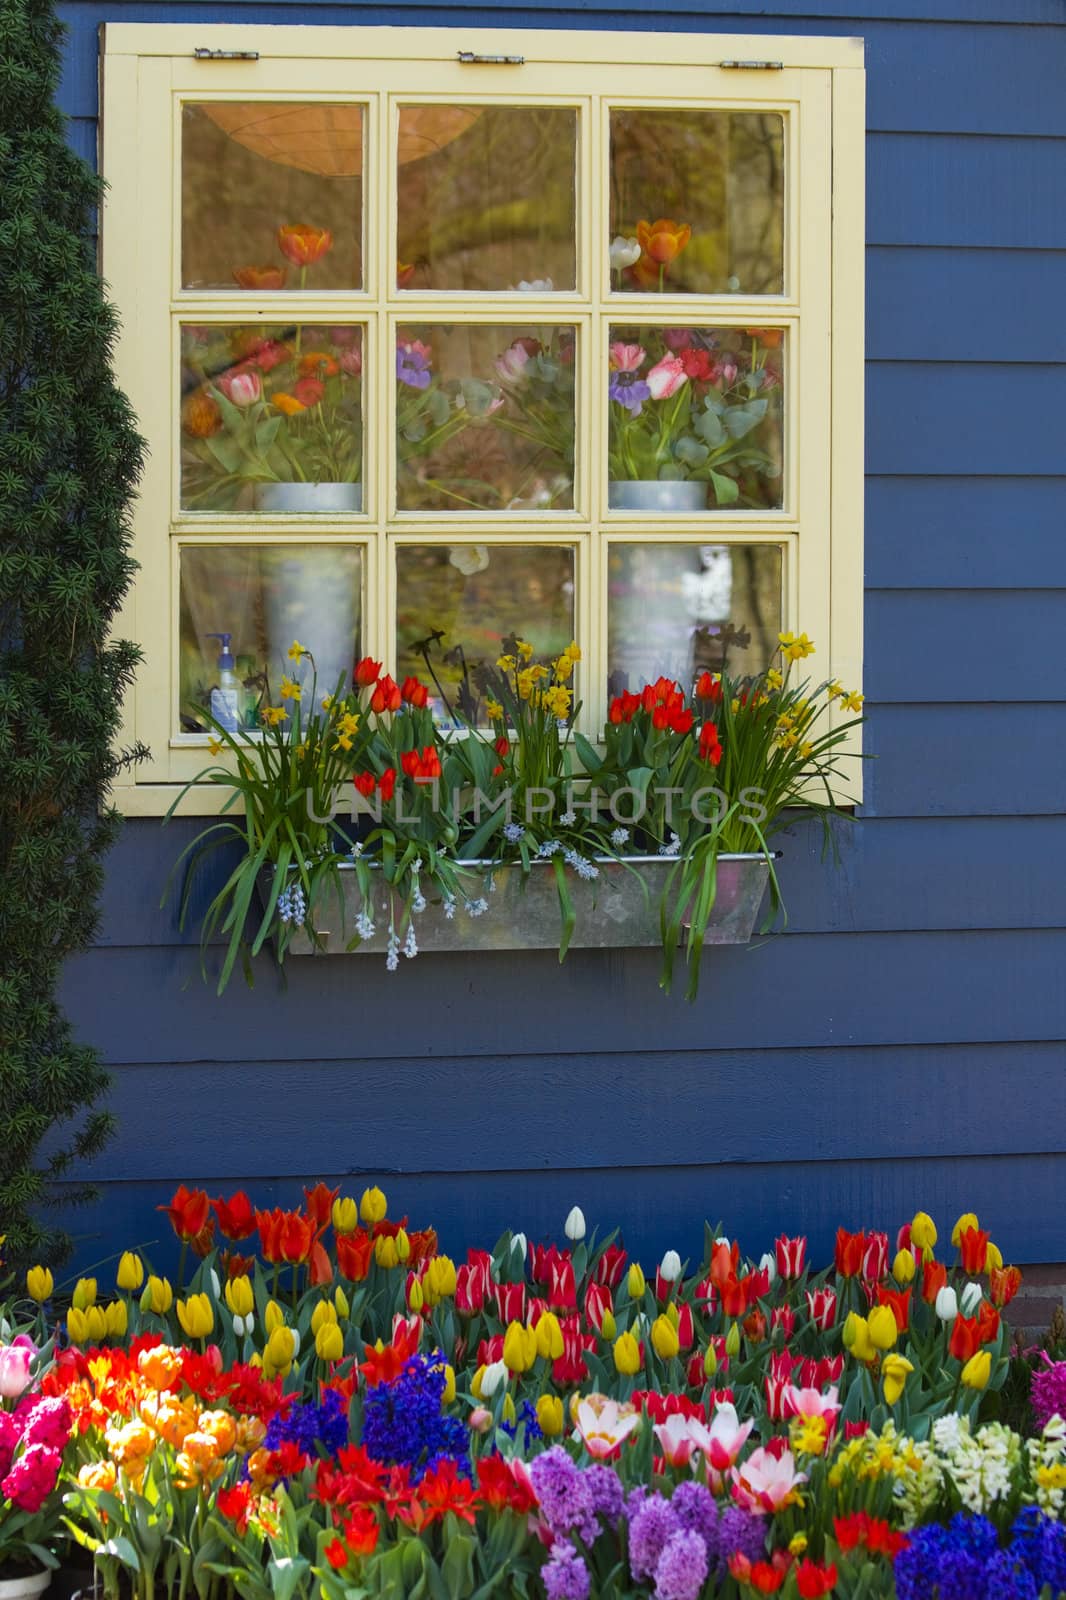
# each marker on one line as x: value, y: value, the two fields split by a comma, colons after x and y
x: 923, y: 1231
x: 96, y: 1322
x: 415, y: 1298
x: 732, y: 1340
x: 323, y: 1312
x: 372, y: 1205
x: 904, y: 1266
x: 329, y: 1341
x: 441, y: 1271
x: 710, y: 1362
x: 993, y: 1257
x: 77, y: 1326
x: 549, y: 1337
x: 280, y: 1349
x: 664, y: 1339
x: 448, y: 1396
x: 475, y: 1382
x: 345, y: 1215
x: 196, y: 1316
x: 967, y: 1220
x: 882, y: 1327
x: 626, y: 1355
x: 607, y: 1326
x: 550, y: 1415
x: 158, y: 1296
x: 977, y: 1371
x: 507, y: 1410
x: 239, y: 1296
x: 39, y: 1284
x: 403, y: 1245
x: 673, y: 1313
x: 635, y: 1282
x: 116, y: 1317
x: 519, y: 1347
x: 130, y: 1273
x: 856, y: 1337
x: 385, y: 1252
x: 274, y: 1317
x: 894, y: 1370
x: 84, y: 1294
x: 340, y: 1301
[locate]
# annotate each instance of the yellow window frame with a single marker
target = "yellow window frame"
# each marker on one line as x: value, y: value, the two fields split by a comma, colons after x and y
x: 818, y: 84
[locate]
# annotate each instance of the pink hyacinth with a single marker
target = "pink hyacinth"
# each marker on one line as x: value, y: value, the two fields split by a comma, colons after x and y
x: 46, y: 1421
x: 1048, y: 1393
x: 32, y: 1478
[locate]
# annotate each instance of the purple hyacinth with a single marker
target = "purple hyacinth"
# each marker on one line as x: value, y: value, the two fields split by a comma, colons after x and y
x: 681, y: 1568
x: 565, y: 1575
x: 564, y: 1496
x: 693, y: 1506
x: 650, y: 1531
x: 606, y: 1497
x: 413, y: 363
x: 737, y: 1530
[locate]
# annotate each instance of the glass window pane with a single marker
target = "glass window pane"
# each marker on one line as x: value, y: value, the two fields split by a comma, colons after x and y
x: 486, y: 198
x: 695, y: 418
x: 264, y: 597
x: 457, y: 604
x: 271, y: 196
x: 485, y: 418
x: 271, y: 418
x: 697, y: 201
x: 676, y: 610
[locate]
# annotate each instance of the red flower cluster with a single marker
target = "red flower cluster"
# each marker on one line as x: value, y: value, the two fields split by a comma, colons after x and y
x: 870, y: 1532
x: 365, y: 783
x: 422, y: 768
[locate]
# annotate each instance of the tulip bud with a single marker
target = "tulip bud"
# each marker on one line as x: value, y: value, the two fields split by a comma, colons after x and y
x: 710, y: 1362
x: 116, y: 1316
x: 39, y: 1284
x: 882, y: 1327
x: 441, y: 1279
x: 923, y: 1231
x: 670, y: 1267
x: 947, y: 1305
x: 84, y: 1294
x: 345, y: 1215
x: 977, y: 1371
x: 340, y: 1301
x: 96, y: 1323
x: 372, y: 1205
x: 323, y: 1313
x: 550, y: 1415
x: 971, y: 1298
x: 574, y: 1227
x: 519, y: 1347
x: 856, y: 1336
x: 732, y: 1340
x: 448, y: 1396
x: 415, y: 1298
x: 507, y: 1410
x: 549, y: 1337
x: 77, y: 1326
x: 476, y: 1382
x: 966, y: 1221
x: 329, y: 1342
x: 273, y: 1317
x: 492, y: 1378
x: 403, y: 1245
x: 519, y: 1249
x: 768, y: 1264
x: 479, y: 1420
x: 672, y: 1312
x: 635, y: 1282
x: 279, y: 1352
x: 904, y: 1266
x: 158, y: 1296
x: 130, y: 1275
x: 626, y: 1355
x: 239, y: 1296
x: 993, y: 1257
x: 196, y: 1316
x: 664, y: 1339
x: 607, y: 1326
x: 385, y: 1252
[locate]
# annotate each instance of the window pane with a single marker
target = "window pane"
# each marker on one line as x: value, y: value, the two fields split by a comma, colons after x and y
x: 677, y: 610
x: 486, y: 198
x: 271, y: 196
x: 457, y: 604
x: 695, y: 418
x: 271, y: 418
x: 702, y: 195
x: 485, y: 418
x: 264, y: 597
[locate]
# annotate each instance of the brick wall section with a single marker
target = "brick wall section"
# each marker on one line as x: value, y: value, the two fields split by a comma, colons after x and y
x: 1043, y: 1292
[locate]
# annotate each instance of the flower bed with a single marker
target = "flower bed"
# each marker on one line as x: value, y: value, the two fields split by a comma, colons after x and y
x: 329, y: 1405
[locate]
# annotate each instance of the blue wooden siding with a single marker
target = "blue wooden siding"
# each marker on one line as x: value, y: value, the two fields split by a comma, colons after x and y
x: 903, y: 1042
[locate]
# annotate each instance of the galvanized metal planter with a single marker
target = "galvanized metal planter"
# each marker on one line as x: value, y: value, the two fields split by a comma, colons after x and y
x: 619, y: 908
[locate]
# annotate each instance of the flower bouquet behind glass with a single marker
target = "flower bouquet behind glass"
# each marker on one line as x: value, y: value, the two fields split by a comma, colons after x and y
x: 430, y: 413
x: 34, y: 1432
x: 538, y: 385
x: 691, y: 404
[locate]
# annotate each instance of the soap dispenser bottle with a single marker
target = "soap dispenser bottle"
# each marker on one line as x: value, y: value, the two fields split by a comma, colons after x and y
x: 225, y: 700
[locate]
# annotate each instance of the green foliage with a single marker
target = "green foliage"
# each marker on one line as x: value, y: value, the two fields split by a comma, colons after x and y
x: 69, y: 460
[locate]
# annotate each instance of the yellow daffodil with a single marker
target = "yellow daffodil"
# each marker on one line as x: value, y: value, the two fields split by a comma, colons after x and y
x: 506, y: 663
x: 573, y: 650
x: 525, y: 649
x: 296, y: 651
x: 215, y: 746
x: 327, y: 702
x: 494, y: 710
x: 272, y: 715
x: 774, y: 678
x: 850, y: 701
x: 834, y: 690
x: 794, y: 647
x: 290, y: 690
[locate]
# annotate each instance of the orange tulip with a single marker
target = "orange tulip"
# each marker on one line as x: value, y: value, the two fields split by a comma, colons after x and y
x: 287, y: 403
x: 663, y: 240
x: 200, y: 416
x: 303, y: 244
x: 259, y: 277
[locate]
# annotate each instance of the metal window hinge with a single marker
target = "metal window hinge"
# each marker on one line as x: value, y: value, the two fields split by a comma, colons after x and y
x: 755, y: 66
x: 203, y: 54
x: 468, y: 57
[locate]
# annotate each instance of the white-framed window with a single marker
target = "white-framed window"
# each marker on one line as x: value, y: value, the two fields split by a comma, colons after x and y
x: 437, y: 335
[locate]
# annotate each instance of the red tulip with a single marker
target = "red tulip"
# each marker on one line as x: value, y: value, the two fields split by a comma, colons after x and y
x: 562, y: 1289
x: 1005, y: 1283
x: 875, y: 1256
x: 236, y: 1216
x: 262, y: 278
x: 510, y: 1301
x: 366, y: 672
x: 850, y: 1249
x: 415, y: 693
x: 965, y: 1338
x: 320, y: 1204
x: 821, y: 1307
x: 610, y: 1267
x: 189, y: 1212
x: 900, y: 1303
x: 355, y: 1251
x: 386, y: 696
x: 934, y: 1278
x: 597, y: 1301
x: 791, y: 1253
x: 973, y: 1250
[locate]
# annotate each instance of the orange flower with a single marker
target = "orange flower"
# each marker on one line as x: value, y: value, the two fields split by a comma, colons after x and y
x: 1005, y: 1282
x: 287, y: 403
x: 320, y: 1204
x: 259, y: 277
x: 663, y: 240
x: 354, y: 1254
x: 189, y: 1212
x: 200, y: 416
x: 385, y: 1362
x: 318, y: 364
x: 303, y: 244
x: 160, y: 1366
x: 770, y: 337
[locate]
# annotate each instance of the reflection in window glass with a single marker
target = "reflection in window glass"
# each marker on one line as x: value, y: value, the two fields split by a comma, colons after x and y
x: 485, y: 418
x: 456, y: 605
x: 677, y: 610
x: 263, y: 597
x: 695, y: 418
x: 271, y: 196
x: 486, y: 198
x: 697, y: 202
x: 271, y: 418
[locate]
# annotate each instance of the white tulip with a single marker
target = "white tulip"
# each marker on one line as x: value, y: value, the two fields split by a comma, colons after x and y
x: 623, y: 252
x: 670, y: 1266
x: 768, y: 1264
x: 492, y: 1378
x: 574, y: 1227
x: 295, y: 1341
x: 216, y: 1286
x: 971, y: 1298
x: 520, y: 1245
x: 947, y: 1305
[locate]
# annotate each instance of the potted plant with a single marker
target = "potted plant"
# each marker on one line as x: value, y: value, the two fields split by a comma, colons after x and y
x: 692, y: 413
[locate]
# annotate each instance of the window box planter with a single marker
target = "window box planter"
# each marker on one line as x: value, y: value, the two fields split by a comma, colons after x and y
x: 620, y: 908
